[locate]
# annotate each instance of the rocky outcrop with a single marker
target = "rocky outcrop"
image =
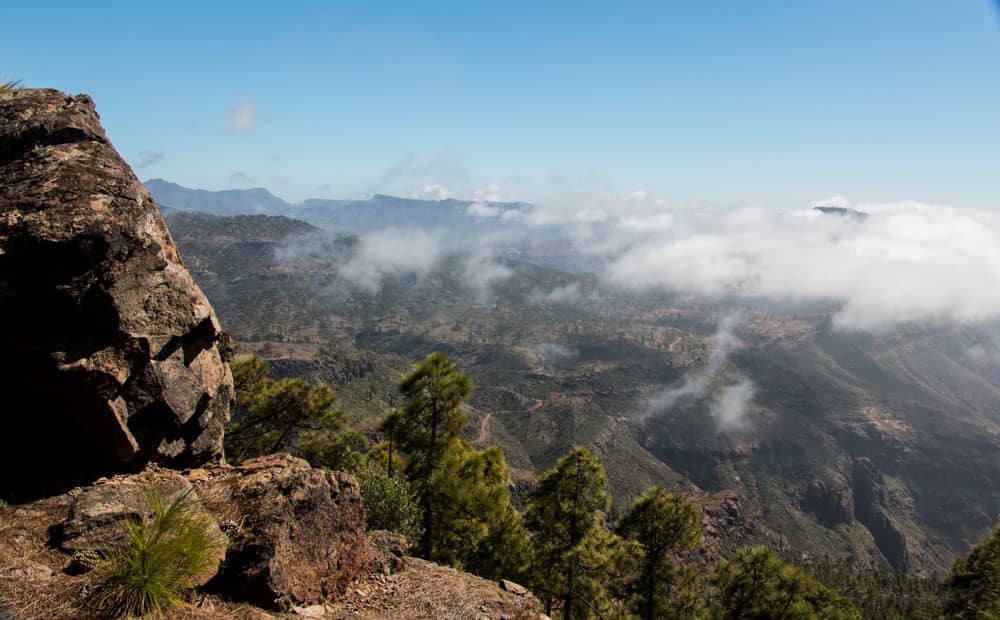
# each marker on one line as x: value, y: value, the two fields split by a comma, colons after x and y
x: 110, y: 350
x: 297, y: 534
x: 869, y: 502
x: 830, y: 499
x: 99, y: 513
x: 294, y: 536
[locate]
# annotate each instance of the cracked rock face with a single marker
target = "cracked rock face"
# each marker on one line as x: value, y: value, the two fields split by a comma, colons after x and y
x: 111, y: 355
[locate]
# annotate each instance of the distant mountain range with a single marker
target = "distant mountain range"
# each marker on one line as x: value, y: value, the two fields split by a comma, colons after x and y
x: 351, y: 216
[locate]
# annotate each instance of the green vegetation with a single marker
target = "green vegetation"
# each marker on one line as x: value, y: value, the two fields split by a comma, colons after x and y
x: 974, y: 583
x: 426, y: 428
x: 390, y: 503
x: 288, y: 414
x: 161, y: 559
x: 575, y: 557
x: 663, y: 525
x: 8, y: 86
x: 756, y: 584
x: 424, y: 481
x: 462, y: 492
x: 882, y: 593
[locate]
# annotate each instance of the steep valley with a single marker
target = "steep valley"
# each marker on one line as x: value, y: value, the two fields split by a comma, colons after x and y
x: 884, y: 448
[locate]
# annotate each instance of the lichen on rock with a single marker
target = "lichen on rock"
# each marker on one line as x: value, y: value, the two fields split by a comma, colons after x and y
x: 112, y: 356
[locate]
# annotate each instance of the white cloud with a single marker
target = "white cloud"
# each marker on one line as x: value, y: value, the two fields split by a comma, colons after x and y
x: 244, y: 117
x: 391, y: 252
x: 479, y: 209
x: 431, y: 192
x: 481, y: 271
x: 549, y: 353
x: 492, y: 192
x: 906, y: 262
x: 148, y: 158
x: 833, y: 201
x: 729, y: 403
x: 569, y: 294
x: 511, y: 214
x: 654, y: 223
x: 591, y: 216
x: 729, y: 409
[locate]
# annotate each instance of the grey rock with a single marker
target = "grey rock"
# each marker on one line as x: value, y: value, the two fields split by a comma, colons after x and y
x: 112, y: 353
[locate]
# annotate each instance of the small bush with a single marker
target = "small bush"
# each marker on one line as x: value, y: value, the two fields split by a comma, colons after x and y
x: 6, y: 87
x: 161, y: 559
x: 389, y: 501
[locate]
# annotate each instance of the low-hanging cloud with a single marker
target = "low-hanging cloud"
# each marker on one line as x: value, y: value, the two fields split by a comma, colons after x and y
x: 729, y: 403
x: 905, y: 262
x: 147, y: 158
x: 391, y: 252
x: 552, y: 353
x: 568, y: 294
x: 481, y: 271
x: 729, y: 408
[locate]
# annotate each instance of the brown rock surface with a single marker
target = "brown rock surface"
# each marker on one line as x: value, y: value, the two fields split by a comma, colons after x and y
x: 111, y: 352
x: 98, y: 514
x: 296, y: 538
x: 424, y: 590
x: 297, y: 534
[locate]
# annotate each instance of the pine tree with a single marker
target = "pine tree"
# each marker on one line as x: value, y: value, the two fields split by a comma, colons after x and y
x: 462, y: 492
x: 390, y: 427
x: 973, y: 585
x: 575, y: 558
x: 288, y: 414
x: 756, y: 584
x: 472, y: 509
x: 428, y: 426
x: 662, y: 524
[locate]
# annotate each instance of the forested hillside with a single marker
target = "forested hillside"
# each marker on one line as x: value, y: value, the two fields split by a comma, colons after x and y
x: 879, y: 448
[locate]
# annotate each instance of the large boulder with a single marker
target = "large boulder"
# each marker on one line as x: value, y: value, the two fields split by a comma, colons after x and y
x: 297, y: 534
x: 112, y: 356
x: 294, y: 537
x: 99, y: 514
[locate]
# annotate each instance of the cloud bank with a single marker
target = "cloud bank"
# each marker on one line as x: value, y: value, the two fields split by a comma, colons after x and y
x: 907, y: 261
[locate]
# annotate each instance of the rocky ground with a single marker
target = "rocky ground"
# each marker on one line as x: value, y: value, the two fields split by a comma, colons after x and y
x: 42, y: 575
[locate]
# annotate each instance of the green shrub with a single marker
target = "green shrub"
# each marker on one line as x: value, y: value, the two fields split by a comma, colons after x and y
x: 161, y: 559
x: 390, y: 503
x: 6, y: 87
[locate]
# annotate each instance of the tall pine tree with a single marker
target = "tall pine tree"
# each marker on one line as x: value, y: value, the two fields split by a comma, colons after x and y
x: 428, y: 426
x: 575, y: 557
x: 462, y: 492
x: 663, y: 525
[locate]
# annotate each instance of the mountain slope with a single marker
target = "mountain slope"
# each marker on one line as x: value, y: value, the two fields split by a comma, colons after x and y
x: 882, y: 448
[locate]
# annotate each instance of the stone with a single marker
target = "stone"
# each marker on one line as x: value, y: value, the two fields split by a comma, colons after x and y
x: 29, y: 571
x: 111, y: 351
x: 513, y: 588
x: 99, y: 514
x: 301, y: 535
x: 388, y: 552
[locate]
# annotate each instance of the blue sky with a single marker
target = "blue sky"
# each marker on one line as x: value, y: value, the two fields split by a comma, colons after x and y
x: 773, y: 103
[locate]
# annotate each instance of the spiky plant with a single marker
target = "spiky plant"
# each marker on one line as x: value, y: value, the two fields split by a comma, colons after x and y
x: 159, y: 561
x: 10, y: 86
